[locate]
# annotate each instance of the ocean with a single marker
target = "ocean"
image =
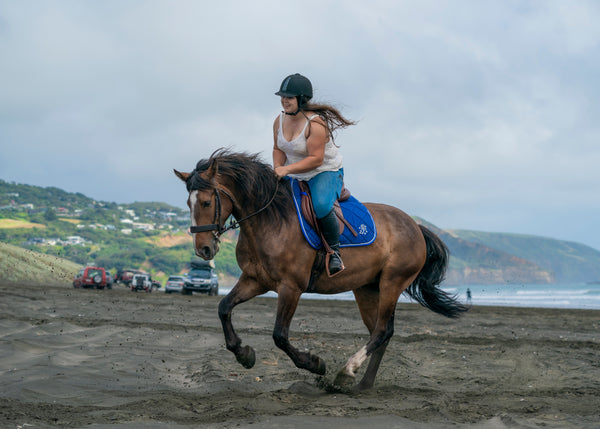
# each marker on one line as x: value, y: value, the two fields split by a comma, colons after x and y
x: 573, y: 295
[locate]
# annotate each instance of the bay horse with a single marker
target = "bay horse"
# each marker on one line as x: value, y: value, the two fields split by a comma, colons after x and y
x: 274, y: 256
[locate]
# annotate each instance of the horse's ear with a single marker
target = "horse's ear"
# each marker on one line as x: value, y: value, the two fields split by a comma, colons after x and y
x: 182, y: 176
x: 213, y: 169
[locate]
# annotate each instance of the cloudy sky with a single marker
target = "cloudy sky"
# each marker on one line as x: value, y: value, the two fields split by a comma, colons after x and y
x: 472, y: 114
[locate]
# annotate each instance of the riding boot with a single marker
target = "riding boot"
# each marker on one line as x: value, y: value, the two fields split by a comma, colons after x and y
x: 331, y: 233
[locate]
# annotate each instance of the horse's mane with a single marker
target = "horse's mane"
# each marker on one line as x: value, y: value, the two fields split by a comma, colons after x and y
x: 255, y: 182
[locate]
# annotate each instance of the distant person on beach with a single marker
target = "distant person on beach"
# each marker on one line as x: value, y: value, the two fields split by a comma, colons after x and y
x: 469, y: 296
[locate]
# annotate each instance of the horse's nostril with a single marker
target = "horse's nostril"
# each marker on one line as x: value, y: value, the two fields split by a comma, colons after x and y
x: 204, y: 252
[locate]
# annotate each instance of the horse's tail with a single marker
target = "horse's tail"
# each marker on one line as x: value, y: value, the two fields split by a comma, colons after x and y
x: 425, y: 288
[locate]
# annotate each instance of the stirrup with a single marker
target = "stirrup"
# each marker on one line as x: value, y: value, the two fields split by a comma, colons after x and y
x: 338, y: 267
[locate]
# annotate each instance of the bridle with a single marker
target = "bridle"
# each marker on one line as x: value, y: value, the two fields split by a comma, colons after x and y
x: 219, y: 229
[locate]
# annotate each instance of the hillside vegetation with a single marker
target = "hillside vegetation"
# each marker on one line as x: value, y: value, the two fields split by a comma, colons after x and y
x: 153, y: 236
x: 22, y: 265
x: 567, y: 261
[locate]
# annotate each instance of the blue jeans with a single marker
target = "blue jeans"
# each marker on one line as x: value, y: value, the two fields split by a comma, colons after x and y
x: 325, y: 189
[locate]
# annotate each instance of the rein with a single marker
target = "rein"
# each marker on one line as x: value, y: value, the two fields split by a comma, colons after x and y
x: 216, y: 227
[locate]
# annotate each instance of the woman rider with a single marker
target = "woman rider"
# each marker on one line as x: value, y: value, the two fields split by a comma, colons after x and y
x: 304, y: 149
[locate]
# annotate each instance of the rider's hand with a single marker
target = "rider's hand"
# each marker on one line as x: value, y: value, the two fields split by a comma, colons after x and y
x: 281, y: 171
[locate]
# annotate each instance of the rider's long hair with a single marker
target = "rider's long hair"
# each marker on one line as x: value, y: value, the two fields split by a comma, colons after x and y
x: 331, y: 115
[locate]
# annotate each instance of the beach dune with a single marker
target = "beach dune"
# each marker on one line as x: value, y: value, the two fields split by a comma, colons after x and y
x: 77, y: 358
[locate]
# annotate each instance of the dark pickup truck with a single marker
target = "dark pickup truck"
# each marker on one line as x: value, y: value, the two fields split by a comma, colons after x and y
x: 201, y: 278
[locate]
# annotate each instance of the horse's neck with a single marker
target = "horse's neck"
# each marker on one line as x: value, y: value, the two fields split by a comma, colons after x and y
x: 254, y: 222
x: 261, y: 234
x: 257, y: 232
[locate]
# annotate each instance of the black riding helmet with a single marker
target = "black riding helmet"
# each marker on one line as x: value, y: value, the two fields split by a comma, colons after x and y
x: 295, y: 85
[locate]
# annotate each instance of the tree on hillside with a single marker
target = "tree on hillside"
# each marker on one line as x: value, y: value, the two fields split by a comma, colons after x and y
x: 50, y: 215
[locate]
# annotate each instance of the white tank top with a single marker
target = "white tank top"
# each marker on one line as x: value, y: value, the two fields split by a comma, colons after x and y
x: 295, y: 151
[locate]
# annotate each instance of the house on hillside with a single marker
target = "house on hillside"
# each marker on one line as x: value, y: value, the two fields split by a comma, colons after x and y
x: 75, y: 240
x: 143, y: 226
x: 34, y: 241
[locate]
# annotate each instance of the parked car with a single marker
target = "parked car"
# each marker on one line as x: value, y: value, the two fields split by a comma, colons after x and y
x: 201, y: 278
x: 109, y: 280
x: 174, y: 284
x: 126, y: 275
x: 141, y: 282
x: 91, y: 277
x: 156, y: 284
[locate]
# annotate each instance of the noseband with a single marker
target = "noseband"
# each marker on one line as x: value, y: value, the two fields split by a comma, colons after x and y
x: 216, y: 227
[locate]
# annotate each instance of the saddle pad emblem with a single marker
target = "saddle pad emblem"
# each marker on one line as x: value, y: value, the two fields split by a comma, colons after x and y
x: 354, y: 212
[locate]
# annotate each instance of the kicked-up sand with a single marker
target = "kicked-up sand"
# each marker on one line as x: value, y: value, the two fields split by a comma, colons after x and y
x: 118, y: 359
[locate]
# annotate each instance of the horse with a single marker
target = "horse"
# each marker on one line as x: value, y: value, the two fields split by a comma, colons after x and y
x: 274, y: 256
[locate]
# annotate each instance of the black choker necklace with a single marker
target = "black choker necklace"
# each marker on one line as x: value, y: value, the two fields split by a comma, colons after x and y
x: 292, y: 114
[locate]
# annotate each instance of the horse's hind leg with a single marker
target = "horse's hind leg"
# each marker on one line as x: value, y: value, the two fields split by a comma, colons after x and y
x: 380, y: 334
x: 369, y: 378
x: 244, y: 290
x: 367, y: 299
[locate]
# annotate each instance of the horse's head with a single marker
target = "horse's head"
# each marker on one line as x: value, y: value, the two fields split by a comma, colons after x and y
x: 210, y: 205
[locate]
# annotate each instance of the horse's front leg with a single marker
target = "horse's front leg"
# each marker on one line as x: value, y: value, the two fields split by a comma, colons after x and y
x: 244, y: 290
x: 286, y: 307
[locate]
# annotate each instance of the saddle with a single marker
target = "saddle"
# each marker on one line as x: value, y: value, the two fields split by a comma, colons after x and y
x: 357, y: 227
x: 308, y: 211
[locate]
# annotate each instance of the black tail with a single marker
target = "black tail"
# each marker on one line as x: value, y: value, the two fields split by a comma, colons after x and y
x: 425, y: 288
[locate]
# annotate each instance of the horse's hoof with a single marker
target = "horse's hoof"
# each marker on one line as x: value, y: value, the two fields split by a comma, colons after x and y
x: 363, y: 385
x: 246, y: 357
x: 318, y: 366
x: 343, y: 379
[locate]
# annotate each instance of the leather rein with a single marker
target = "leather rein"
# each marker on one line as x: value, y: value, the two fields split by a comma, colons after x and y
x: 218, y: 228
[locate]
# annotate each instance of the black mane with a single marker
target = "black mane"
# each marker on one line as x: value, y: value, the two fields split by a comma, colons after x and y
x: 254, y: 182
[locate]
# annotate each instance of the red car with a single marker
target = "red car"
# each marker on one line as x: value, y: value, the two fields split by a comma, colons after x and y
x: 92, y: 277
x: 126, y: 275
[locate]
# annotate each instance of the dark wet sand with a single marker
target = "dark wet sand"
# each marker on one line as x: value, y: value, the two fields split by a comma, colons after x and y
x: 113, y: 358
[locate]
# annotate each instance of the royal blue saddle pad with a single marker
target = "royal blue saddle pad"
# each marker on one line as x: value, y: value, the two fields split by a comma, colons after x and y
x: 355, y: 213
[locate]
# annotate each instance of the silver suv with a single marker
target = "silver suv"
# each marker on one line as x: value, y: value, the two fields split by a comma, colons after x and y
x: 174, y: 284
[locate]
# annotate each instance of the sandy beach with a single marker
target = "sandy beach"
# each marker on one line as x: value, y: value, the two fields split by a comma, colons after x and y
x: 113, y: 358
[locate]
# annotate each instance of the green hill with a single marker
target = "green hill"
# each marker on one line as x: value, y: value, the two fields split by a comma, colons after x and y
x: 568, y: 261
x: 22, y: 265
x: 488, y: 257
x: 151, y: 236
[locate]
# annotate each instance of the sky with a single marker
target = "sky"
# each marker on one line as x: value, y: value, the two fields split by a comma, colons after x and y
x: 471, y: 114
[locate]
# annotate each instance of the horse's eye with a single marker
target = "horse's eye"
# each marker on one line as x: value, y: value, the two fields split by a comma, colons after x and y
x: 205, y: 203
